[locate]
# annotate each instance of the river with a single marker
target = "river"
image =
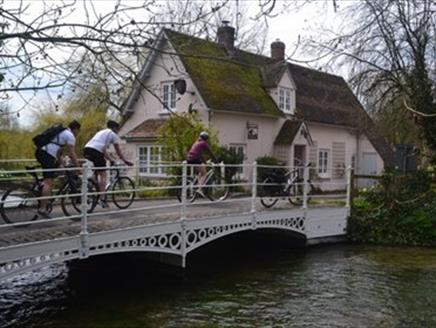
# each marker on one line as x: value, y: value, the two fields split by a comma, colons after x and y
x: 325, y: 286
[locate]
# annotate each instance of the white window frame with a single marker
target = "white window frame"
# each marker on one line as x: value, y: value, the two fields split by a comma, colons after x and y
x: 146, y: 159
x: 323, y: 162
x: 286, y: 99
x: 169, y: 96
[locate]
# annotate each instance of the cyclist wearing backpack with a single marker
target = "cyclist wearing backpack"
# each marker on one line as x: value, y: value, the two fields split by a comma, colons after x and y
x: 48, y: 154
x: 96, y: 152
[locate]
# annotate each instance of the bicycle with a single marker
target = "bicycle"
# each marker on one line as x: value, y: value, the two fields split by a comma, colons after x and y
x: 213, y: 187
x: 122, y: 188
x: 21, y: 204
x: 289, y: 185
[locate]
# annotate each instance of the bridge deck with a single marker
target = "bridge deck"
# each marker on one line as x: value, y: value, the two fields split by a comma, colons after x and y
x: 169, y: 212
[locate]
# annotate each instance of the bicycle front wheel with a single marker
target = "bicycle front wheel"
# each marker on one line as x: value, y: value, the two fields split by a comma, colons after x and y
x: 215, y: 189
x: 19, y: 206
x: 124, y: 192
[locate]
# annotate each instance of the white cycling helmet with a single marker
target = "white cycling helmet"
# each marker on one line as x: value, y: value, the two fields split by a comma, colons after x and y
x: 204, y: 135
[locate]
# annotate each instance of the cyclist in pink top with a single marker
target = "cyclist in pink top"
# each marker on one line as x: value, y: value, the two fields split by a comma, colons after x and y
x: 195, y: 158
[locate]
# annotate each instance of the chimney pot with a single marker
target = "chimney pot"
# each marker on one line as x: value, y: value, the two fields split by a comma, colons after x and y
x: 278, y: 50
x: 226, y: 37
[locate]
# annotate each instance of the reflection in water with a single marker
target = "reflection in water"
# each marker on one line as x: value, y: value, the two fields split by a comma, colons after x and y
x: 233, y: 286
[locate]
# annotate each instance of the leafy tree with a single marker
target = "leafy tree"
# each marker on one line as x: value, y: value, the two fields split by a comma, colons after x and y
x: 178, y: 134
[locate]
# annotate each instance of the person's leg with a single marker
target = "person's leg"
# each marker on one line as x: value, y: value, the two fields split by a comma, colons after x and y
x: 46, y: 192
x: 102, y: 182
x: 201, y: 178
x: 47, y: 163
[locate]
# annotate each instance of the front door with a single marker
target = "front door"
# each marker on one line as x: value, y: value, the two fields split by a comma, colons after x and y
x: 368, y: 166
x: 300, y: 157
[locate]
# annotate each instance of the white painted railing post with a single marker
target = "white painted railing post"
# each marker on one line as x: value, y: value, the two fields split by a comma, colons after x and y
x: 306, y: 175
x: 184, y: 186
x: 84, y: 239
x: 349, y: 187
x: 254, y: 188
x: 183, y: 211
x: 254, y: 196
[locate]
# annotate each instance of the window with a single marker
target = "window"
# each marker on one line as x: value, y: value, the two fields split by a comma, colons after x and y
x: 239, y: 150
x: 285, y: 97
x: 169, y: 95
x: 149, y: 157
x: 323, y: 161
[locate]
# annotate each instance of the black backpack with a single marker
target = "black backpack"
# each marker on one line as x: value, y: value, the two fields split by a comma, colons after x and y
x: 46, y: 136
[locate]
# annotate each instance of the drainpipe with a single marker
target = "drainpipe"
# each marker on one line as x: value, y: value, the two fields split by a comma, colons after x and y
x: 357, y: 160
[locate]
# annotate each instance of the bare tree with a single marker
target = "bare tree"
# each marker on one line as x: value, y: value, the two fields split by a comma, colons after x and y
x: 43, y: 45
x: 389, y: 47
x: 58, y: 47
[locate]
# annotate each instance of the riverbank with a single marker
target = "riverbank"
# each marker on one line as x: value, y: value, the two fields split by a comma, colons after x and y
x: 400, y: 211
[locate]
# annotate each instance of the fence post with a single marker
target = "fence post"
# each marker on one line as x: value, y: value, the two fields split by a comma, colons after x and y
x: 349, y: 187
x: 183, y: 211
x: 306, y: 175
x: 84, y: 238
x: 254, y: 195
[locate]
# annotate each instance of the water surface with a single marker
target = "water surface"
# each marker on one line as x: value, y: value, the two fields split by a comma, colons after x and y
x: 235, y: 286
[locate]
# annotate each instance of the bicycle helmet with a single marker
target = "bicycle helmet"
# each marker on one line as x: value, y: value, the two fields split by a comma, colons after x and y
x: 204, y: 135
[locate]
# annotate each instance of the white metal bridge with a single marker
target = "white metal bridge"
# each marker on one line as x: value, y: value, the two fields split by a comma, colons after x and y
x: 157, y: 222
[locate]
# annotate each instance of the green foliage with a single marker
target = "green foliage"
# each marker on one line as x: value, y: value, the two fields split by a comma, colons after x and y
x: 401, y: 211
x: 229, y: 157
x: 178, y: 134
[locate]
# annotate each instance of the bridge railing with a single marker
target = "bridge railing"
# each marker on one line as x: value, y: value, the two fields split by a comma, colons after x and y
x: 166, y: 197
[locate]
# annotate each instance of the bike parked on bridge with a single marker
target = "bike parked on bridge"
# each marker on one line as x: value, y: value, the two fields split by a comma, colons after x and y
x: 282, y: 183
x: 20, y: 204
x: 214, y: 188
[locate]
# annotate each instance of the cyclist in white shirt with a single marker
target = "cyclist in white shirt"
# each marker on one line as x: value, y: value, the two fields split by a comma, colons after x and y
x: 49, y: 156
x: 96, y: 151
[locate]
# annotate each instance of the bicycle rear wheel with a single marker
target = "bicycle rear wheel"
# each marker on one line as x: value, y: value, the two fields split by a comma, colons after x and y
x: 19, y: 206
x: 266, y: 193
x: 191, y: 189
x: 72, y: 203
x: 296, y: 193
x: 215, y: 189
x: 124, y: 192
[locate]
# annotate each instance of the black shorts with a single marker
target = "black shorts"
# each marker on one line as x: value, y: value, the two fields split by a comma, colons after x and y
x: 195, y: 161
x: 95, y: 156
x: 47, y: 162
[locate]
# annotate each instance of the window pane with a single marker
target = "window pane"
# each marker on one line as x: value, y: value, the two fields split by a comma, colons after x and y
x: 143, y: 160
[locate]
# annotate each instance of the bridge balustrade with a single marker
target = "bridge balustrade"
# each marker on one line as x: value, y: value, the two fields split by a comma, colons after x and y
x: 157, y: 220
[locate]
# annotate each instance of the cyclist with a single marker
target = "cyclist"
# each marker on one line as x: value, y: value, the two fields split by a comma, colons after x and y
x: 195, y: 157
x: 50, y: 157
x: 96, y: 151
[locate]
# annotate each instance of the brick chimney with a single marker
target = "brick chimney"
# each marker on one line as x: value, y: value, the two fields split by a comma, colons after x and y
x: 226, y: 37
x: 278, y: 50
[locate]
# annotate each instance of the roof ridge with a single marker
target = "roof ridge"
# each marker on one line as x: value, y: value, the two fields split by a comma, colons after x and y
x: 264, y: 57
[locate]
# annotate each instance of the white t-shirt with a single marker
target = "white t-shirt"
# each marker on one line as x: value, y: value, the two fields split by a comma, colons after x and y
x: 103, y: 139
x: 66, y: 137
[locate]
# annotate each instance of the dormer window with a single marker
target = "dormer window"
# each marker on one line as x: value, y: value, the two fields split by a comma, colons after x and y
x: 169, y: 95
x: 286, y: 103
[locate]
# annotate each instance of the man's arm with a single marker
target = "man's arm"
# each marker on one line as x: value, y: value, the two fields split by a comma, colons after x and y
x: 120, y: 154
x: 72, y: 154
